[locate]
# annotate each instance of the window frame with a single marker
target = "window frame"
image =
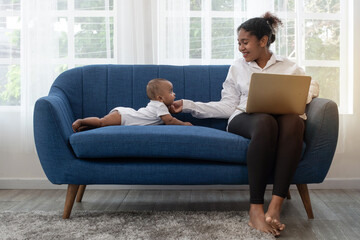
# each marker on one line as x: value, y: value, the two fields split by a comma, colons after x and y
x: 345, y: 63
x: 71, y: 13
x: 206, y: 14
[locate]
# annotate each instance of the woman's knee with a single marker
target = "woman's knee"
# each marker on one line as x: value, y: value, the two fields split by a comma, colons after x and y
x: 255, y: 126
x: 266, y: 125
x: 291, y: 123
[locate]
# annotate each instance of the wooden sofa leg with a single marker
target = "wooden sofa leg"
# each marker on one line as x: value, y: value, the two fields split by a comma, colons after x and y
x: 80, y: 193
x: 305, y: 197
x: 70, y: 198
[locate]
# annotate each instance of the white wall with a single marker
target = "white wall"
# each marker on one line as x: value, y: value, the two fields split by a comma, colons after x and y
x: 21, y: 168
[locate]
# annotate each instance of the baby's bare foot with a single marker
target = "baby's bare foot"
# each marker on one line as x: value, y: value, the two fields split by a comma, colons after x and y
x: 76, y: 125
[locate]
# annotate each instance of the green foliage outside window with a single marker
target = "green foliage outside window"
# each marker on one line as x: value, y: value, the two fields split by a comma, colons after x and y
x: 322, y: 6
x: 195, y: 5
x: 195, y: 37
x: 329, y: 81
x: 222, y: 37
x: 91, y: 40
x: 10, y: 92
x: 10, y: 85
x: 322, y: 40
x: 222, y: 5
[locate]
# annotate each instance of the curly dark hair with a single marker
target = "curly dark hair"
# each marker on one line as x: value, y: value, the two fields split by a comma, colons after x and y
x: 266, y: 25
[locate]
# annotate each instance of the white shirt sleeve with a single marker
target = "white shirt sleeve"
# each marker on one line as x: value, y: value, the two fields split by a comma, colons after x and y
x: 313, y: 89
x: 161, y: 110
x: 230, y: 97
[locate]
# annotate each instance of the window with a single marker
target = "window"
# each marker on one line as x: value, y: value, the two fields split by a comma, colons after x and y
x: 80, y: 32
x: 315, y: 34
x: 312, y: 34
x: 85, y: 32
x: 10, y: 23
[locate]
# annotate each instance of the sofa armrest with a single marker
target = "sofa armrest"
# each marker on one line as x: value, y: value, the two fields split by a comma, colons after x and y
x: 52, y: 128
x: 321, y: 135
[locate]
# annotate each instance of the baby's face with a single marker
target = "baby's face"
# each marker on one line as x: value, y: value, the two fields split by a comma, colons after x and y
x: 167, y: 93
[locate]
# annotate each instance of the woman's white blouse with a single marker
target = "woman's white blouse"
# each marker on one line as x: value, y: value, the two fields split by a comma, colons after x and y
x: 236, y: 87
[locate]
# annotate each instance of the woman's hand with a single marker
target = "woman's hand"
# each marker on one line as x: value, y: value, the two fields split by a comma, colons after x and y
x: 177, y: 106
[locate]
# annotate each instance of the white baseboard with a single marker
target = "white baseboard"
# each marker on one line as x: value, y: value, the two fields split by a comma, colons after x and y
x: 330, y: 183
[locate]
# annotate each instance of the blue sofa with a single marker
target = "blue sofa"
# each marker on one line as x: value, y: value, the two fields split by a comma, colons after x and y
x: 204, y: 154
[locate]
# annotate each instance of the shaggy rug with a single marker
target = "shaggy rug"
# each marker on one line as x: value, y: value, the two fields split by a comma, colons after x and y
x: 128, y: 225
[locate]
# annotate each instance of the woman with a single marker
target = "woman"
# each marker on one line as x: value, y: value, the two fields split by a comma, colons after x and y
x: 276, y: 140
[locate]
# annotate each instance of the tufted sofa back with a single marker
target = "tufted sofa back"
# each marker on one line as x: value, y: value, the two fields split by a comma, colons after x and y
x: 95, y: 89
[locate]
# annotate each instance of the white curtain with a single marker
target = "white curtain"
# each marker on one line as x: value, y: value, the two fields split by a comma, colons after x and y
x: 137, y: 31
x: 174, y: 24
x: 135, y: 38
x: 38, y: 47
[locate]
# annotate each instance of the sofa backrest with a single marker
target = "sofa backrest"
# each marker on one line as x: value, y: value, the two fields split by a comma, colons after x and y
x: 96, y: 89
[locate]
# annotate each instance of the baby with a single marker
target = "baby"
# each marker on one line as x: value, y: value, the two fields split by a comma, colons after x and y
x: 161, y: 95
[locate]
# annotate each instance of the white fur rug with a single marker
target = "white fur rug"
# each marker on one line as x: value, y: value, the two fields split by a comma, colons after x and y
x: 128, y: 225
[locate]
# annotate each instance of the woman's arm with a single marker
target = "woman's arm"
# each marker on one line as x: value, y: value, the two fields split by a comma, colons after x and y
x: 230, y: 97
x: 314, y: 86
x: 313, y: 91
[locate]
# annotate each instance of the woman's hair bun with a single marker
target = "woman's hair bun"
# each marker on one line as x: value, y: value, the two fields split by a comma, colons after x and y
x: 272, y: 20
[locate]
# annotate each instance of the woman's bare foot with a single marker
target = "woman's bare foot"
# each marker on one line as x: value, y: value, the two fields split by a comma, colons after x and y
x: 272, y: 216
x: 275, y: 223
x: 257, y: 220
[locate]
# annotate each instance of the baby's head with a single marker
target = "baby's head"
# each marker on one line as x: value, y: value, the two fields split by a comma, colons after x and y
x: 160, y: 89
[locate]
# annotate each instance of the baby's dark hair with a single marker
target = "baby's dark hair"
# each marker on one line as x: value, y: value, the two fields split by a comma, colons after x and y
x: 266, y: 25
x: 153, y: 87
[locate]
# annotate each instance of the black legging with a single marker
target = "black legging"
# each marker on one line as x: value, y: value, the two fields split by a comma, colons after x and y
x: 275, y: 145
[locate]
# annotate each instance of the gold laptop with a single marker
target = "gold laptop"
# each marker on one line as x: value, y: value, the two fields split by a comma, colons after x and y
x: 277, y: 93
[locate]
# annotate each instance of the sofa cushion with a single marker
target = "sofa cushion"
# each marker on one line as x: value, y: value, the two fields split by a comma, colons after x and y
x: 164, y: 141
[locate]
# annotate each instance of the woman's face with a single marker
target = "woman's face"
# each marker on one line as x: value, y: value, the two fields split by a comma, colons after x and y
x: 250, y: 46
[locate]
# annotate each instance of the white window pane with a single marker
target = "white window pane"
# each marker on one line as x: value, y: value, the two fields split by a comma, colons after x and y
x: 10, y: 37
x: 284, y: 5
x: 195, y: 5
x: 329, y: 81
x: 61, y: 30
x: 93, y: 4
x: 195, y: 37
x: 285, y: 39
x: 62, y: 5
x: 222, y: 38
x: 6, y: 5
x: 222, y: 5
x: 91, y: 37
x: 9, y: 85
x: 322, y: 40
x: 322, y: 6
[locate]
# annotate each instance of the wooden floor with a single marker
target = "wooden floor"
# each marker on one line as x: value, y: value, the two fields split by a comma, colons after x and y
x: 337, y: 212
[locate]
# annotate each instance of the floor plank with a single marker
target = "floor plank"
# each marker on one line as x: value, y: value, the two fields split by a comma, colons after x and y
x: 337, y: 212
